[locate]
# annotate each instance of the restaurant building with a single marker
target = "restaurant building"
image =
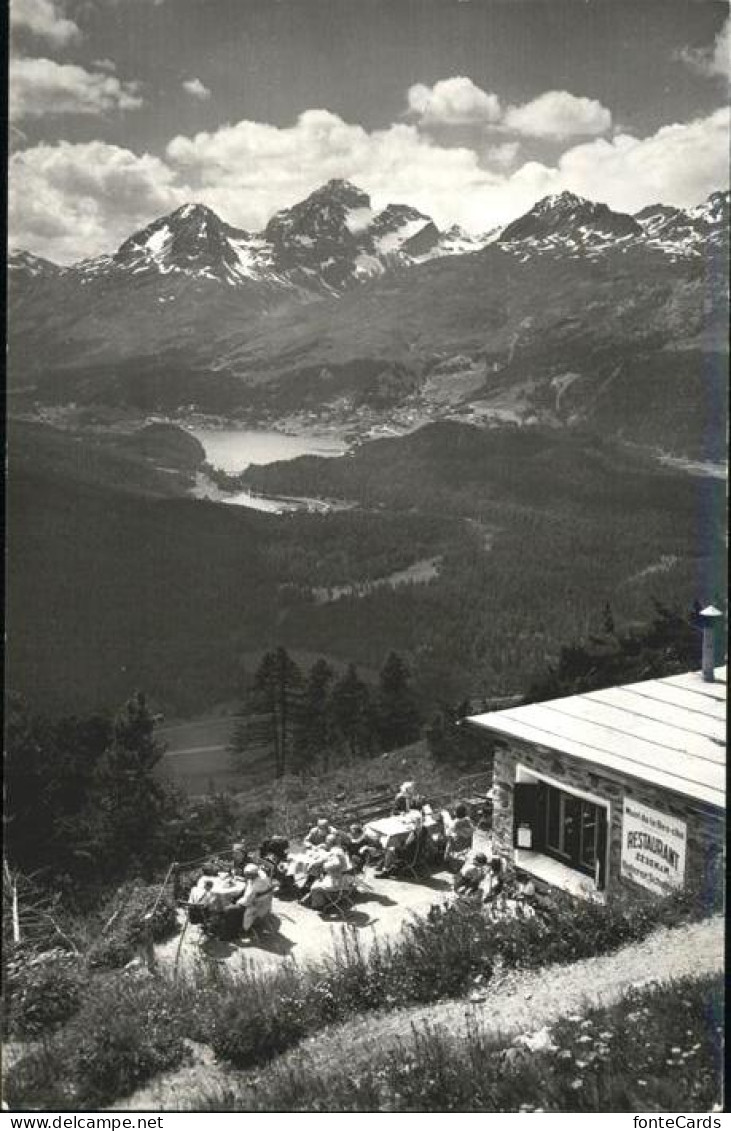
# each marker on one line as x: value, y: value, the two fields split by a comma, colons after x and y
x: 624, y: 786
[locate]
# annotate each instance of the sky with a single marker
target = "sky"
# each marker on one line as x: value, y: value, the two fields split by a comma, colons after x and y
x: 470, y: 110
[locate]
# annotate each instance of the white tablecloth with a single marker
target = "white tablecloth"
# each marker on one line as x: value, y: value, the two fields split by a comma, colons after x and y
x: 224, y: 885
x: 394, y: 830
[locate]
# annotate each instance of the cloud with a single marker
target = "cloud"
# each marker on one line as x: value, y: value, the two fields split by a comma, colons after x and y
x: 558, y: 114
x: 73, y: 200
x: 452, y: 102
x: 715, y: 61
x: 45, y: 19
x: 77, y: 200
x: 40, y: 87
x: 503, y: 155
x: 197, y: 89
x: 680, y: 164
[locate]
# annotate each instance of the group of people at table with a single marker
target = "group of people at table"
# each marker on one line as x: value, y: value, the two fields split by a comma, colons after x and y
x: 330, y: 859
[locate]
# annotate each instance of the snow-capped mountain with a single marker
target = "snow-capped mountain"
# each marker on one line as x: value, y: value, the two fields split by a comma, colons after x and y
x: 32, y: 266
x: 334, y: 239
x: 327, y: 242
x: 686, y: 232
x: 568, y: 224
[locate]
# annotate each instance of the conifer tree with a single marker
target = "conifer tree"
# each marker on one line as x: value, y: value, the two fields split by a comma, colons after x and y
x: 398, y: 715
x: 271, y: 713
x: 353, y: 713
x: 315, y: 732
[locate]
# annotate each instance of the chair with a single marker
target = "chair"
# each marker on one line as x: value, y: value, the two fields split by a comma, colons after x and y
x: 412, y: 863
x: 338, y: 900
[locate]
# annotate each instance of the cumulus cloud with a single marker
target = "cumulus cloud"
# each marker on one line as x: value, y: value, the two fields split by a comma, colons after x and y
x: 71, y: 200
x: 452, y: 102
x: 39, y: 87
x: 715, y: 61
x: 558, y: 114
x: 197, y: 89
x: 503, y: 155
x: 45, y: 19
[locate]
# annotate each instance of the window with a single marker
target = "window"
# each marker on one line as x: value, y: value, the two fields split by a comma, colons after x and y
x: 573, y: 830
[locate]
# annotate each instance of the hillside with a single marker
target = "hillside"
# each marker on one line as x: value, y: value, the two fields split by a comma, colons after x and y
x: 112, y: 585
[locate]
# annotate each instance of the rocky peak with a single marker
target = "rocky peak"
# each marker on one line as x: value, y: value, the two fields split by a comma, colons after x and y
x: 192, y: 238
x: 35, y: 266
x: 324, y: 214
x: 568, y: 215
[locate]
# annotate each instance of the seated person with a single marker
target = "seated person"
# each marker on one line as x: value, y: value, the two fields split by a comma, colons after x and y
x: 257, y: 898
x: 472, y: 874
x: 336, y: 853
x: 334, y: 880
x: 406, y: 850
x: 407, y: 798
x: 360, y: 846
x: 460, y: 831
x: 307, y: 866
x: 525, y: 889
x: 493, y: 883
x: 319, y: 832
x: 201, y: 899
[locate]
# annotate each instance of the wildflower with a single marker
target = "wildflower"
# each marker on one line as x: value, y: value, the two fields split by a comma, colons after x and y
x: 582, y: 1063
x: 576, y: 1084
x: 585, y: 1040
x: 565, y: 1054
x: 642, y: 1083
x: 675, y: 1049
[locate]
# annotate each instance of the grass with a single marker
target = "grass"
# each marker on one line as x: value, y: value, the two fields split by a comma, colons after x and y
x: 127, y: 1029
x: 635, y: 1055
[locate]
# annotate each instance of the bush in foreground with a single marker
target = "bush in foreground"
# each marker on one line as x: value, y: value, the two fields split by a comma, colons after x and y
x: 125, y: 1033
x: 127, y: 1029
x: 634, y: 1056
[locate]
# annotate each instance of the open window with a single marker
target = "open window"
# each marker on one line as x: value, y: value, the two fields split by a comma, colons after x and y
x: 565, y: 826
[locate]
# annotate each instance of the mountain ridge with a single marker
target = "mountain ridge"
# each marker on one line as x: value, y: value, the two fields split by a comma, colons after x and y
x: 333, y: 238
x: 581, y: 317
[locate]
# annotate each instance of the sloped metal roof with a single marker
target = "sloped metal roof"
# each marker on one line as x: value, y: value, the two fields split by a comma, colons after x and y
x: 670, y: 732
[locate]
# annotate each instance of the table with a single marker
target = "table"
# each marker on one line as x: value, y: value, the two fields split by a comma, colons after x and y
x: 392, y: 831
x: 303, y: 863
x: 227, y: 886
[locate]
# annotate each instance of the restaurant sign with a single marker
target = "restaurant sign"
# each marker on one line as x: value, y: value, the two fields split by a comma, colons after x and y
x: 653, y: 847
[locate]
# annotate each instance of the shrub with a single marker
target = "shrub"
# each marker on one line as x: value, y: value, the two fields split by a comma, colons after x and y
x: 127, y: 1030
x: 40, y: 1081
x: 42, y: 992
x: 631, y: 1056
x: 131, y: 903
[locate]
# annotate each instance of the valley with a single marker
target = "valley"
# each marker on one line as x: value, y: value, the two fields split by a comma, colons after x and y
x: 458, y: 448
x: 354, y: 323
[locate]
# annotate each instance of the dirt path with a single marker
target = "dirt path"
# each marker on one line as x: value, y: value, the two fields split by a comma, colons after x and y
x: 512, y: 1003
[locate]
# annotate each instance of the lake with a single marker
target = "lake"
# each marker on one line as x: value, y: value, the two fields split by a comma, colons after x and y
x: 234, y: 449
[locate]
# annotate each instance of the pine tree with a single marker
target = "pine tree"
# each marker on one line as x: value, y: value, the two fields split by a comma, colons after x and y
x: 315, y: 731
x: 271, y: 715
x: 398, y: 714
x: 353, y: 713
x: 127, y: 819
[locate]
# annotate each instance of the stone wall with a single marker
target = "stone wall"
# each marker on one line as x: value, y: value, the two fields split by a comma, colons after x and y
x: 706, y: 825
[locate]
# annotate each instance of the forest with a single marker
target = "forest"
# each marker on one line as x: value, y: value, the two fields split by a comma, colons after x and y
x: 110, y: 590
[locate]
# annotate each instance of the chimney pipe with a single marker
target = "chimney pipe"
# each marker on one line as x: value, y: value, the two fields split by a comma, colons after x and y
x: 709, y: 619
